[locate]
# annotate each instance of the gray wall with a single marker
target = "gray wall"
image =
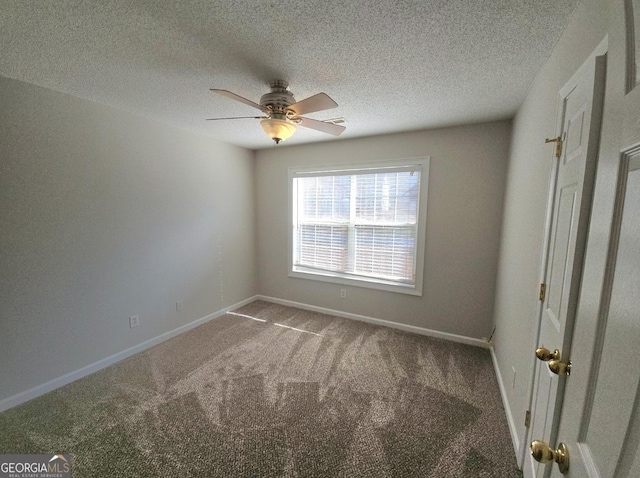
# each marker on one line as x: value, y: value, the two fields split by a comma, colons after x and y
x: 525, y: 204
x: 103, y: 215
x: 466, y: 184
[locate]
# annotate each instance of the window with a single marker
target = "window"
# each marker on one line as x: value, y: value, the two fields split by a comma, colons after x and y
x: 361, y: 225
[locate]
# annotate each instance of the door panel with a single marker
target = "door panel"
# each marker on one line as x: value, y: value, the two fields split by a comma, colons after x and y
x: 545, y: 394
x: 609, y: 433
x: 578, y: 125
x: 560, y: 267
x: 600, y: 419
x: 629, y: 463
x: 633, y: 33
x: 574, y: 135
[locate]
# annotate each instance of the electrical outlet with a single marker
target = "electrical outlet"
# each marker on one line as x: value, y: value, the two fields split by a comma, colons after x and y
x: 134, y: 321
x: 178, y: 306
x: 343, y: 293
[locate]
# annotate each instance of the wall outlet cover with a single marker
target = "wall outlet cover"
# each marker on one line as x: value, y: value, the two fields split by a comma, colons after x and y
x: 134, y: 321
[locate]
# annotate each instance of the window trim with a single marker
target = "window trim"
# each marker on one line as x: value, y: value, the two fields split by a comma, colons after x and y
x: 352, y: 279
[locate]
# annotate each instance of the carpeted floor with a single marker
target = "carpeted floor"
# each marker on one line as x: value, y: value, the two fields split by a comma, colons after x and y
x: 273, y: 391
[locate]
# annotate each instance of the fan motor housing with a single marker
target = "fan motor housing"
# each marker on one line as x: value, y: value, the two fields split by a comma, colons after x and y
x: 279, y: 98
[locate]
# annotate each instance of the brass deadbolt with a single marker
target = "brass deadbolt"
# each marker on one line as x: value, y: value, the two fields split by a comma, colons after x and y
x: 545, y: 354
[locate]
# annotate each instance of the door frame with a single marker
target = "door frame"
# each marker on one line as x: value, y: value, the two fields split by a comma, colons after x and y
x: 600, y: 50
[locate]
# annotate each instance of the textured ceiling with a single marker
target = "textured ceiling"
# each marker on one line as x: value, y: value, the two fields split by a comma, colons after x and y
x: 391, y: 65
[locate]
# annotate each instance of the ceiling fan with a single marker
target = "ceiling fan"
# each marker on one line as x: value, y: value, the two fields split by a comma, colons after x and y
x: 284, y: 113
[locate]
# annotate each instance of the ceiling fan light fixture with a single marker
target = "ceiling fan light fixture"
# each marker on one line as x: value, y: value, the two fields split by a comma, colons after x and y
x: 278, y: 129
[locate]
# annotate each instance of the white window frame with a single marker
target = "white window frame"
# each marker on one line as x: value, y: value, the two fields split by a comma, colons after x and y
x: 359, y: 281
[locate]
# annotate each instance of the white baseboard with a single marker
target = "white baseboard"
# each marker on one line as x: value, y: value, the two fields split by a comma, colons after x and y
x: 58, y: 382
x: 513, y: 429
x: 387, y: 323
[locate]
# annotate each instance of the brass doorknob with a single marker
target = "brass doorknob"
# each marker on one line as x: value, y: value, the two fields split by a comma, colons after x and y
x: 545, y: 354
x: 543, y: 453
x: 560, y: 368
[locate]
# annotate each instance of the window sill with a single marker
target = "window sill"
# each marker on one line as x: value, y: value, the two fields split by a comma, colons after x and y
x: 365, y: 282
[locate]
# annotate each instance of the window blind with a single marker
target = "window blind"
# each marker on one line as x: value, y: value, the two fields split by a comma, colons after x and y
x: 358, y: 222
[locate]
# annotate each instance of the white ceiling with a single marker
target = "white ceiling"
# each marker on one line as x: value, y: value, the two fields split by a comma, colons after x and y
x: 391, y: 65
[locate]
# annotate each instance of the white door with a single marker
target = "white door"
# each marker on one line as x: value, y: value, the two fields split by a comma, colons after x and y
x: 579, y: 119
x: 600, y: 419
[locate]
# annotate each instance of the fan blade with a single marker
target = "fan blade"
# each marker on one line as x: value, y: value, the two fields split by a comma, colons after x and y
x: 237, y: 117
x: 239, y: 98
x: 314, y: 103
x: 334, y: 129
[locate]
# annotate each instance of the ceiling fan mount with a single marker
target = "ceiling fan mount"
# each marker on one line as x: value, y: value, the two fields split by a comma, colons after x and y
x: 284, y: 113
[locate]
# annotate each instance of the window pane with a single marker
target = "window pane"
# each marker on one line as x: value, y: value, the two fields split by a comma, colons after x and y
x: 387, y: 252
x: 324, y: 199
x: 323, y: 247
x: 360, y: 224
x: 387, y: 198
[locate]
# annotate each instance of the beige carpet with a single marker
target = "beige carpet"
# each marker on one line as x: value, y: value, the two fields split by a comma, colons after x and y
x: 273, y: 391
